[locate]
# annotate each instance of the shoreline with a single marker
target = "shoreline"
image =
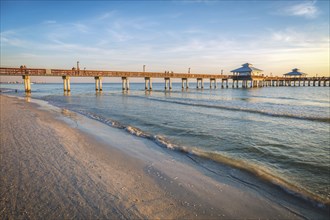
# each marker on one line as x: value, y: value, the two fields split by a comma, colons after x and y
x: 253, y: 170
x: 137, y: 177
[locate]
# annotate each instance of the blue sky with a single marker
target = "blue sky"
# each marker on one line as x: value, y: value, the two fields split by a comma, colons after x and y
x: 207, y: 36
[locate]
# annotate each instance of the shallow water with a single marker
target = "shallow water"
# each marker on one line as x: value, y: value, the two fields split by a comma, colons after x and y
x: 280, y: 133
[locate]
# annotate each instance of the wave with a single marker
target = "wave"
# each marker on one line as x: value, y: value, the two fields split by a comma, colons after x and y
x: 254, y: 111
x: 266, y: 175
x: 253, y: 169
x: 7, y: 90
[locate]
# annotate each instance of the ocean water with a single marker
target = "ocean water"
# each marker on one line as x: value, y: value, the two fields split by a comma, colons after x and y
x: 281, y: 134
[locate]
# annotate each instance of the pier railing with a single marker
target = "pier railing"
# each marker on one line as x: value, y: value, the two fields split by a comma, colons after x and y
x: 103, y: 73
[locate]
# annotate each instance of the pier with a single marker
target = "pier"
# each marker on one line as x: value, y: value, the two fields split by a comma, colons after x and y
x: 237, y: 81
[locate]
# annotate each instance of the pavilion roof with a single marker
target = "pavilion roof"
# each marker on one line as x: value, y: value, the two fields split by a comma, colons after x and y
x: 295, y: 72
x: 247, y: 67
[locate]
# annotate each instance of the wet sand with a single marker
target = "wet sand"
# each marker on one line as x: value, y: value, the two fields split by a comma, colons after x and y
x: 56, y: 164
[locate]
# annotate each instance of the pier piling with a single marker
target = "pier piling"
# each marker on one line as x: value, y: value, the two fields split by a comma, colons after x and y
x: 125, y: 83
x: 27, y: 83
x: 66, y: 83
x: 185, y: 83
x: 168, y: 83
x: 148, y: 83
x: 200, y: 83
x: 213, y: 83
x: 98, y: 83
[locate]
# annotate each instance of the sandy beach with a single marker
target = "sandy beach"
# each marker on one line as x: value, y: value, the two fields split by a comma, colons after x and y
x: 57, y: 164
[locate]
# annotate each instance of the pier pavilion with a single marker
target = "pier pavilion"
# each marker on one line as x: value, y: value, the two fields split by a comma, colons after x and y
x: 296, y: 74
x: 247, y: 73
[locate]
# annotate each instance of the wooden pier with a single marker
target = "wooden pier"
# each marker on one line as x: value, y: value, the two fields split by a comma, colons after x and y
x: 236, y: 81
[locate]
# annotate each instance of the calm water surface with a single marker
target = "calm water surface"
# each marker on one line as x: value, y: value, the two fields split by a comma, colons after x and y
x: 281, y: 133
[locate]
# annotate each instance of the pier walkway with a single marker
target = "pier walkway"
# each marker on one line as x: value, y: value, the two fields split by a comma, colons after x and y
x: 236, y: 81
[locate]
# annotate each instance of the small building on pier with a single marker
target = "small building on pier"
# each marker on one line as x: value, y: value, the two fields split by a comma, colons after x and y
x: 247, y: 73
x: 295, y: 73
x: 247, y: 69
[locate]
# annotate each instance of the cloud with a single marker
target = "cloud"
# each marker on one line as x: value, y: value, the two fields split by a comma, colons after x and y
x: 305, y: 9
x: 80, y: 27
x: 288, y: 35
x: 12, y: 38
x: 49, y: 22
x: 291, y: 37
x: 119, y: 37
x: 107, y: 15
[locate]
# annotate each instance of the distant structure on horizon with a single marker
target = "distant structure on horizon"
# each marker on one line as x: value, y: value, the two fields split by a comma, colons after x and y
x: 247, y: 69
x: 295, y: 72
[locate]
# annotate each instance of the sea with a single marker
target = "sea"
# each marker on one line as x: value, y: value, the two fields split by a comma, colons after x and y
x: 281, y: 134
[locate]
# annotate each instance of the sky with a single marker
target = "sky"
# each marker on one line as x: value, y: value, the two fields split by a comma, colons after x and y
x: 206, y: 36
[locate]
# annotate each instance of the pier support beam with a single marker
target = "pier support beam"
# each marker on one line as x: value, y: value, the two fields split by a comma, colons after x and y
x: 125, y: 83
x: 200, y: 83
x: 185, y: 83
x: 66, y: 83
x: 147, y: 83
x: 222, y: 81
x: 257, y: 83
x: 213, y: 83
x: 98, y: 83
x: 168, y: 84
x: 27, y: 83
x: 246, y: 84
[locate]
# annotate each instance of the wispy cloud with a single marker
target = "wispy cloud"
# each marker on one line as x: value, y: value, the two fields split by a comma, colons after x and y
x: 49, y: 22
x: 118, y: 36
x: 107, y: 15
x: 306, y: 9
x: 80, y: 27
x: 12, y: 38
x: 291, y: 37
